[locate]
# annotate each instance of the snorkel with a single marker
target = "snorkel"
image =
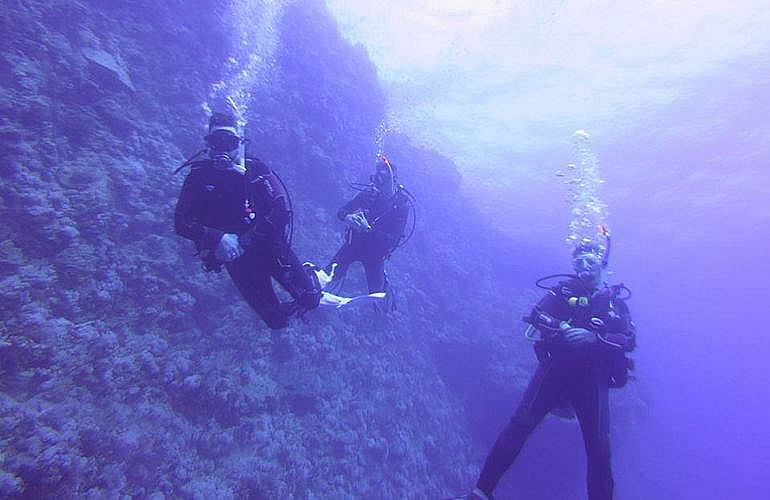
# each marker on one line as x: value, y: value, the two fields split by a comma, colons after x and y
x: 605, y: 231
x: 241, y: 121
x: 384, y: 178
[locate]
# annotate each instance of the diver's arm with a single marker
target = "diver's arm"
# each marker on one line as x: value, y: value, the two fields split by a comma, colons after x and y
x: 270, y: 216
x: 271, y: 212
x: 395, y: 229
x: 543, y: 318
x: 352, y: 206
x: 389, y: 229
x: 186, y: 219
x: 402, y: 216
x: 544, y: 315
x: 624, y: 339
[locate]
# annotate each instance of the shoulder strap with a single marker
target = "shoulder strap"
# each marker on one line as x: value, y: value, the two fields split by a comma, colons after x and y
x: 193, y: 164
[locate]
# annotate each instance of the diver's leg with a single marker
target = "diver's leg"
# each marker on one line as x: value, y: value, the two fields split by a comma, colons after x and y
x: 543, y: 392
x: 375, y: 273
x: 343, y: 258
x: 300, y: 282
x: 590, y: 400
x: 251, y: 276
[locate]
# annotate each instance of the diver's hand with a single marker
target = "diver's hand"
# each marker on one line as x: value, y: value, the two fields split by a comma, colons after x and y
x: 358, y: 222
x: 579, y: 336
x: 229, y: 248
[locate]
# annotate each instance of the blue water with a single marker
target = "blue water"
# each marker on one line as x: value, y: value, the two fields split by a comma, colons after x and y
x: 125, y: 370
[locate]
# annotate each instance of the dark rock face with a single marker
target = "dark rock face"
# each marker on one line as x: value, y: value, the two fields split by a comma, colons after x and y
x: 126, y: 370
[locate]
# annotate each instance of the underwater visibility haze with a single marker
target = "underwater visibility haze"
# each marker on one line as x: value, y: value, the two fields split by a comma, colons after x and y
x: 519, y: 130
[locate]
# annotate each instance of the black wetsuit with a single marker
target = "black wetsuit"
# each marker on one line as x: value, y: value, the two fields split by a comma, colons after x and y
x: 576, y: 375
x: 387, y: 216
x: 254, y: 205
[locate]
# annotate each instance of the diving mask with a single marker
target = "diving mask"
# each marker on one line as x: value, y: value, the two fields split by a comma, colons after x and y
x: 223, y: 141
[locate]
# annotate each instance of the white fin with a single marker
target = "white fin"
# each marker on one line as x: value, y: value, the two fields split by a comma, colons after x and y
x: 323, y: 278
x: 331, y: 300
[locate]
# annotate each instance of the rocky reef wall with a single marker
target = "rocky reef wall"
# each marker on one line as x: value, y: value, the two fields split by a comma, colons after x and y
x: 125, y: 370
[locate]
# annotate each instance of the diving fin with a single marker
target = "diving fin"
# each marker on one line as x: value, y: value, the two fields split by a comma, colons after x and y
x: 324, y: 278
x: 331, y: 300
x: 476, y: 494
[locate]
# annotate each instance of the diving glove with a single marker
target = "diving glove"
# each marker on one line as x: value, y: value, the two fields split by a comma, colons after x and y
x: 358, y: 222
x: 228, y: 248
x: 579, y: 336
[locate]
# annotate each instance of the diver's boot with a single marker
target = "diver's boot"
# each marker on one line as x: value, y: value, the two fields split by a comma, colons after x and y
x: 323, y: 277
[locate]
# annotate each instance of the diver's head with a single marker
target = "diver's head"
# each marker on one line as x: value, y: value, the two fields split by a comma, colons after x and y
x: 223, y: 139
x: 384, y: 178
x: 588, y: 263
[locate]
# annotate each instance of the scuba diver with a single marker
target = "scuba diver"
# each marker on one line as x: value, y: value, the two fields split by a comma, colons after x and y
x: 376, y: 218
x: 238, y: 213
x: 582, y: 330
